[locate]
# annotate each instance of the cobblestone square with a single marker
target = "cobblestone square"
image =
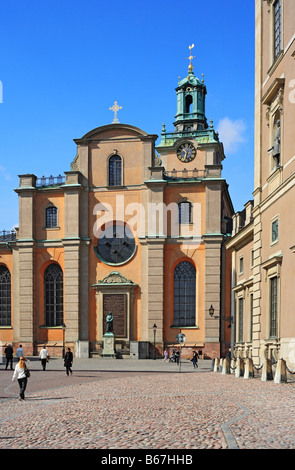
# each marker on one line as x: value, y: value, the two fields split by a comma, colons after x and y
x: 144, y: 404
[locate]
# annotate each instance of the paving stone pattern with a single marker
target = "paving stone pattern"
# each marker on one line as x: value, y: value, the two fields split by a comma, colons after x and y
x: 133, y: 404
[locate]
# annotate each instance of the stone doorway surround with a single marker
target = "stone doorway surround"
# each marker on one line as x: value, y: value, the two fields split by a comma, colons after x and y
x: 115, y: 283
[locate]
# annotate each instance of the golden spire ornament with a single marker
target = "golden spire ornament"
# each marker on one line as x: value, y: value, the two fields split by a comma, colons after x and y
x: 190, y: 58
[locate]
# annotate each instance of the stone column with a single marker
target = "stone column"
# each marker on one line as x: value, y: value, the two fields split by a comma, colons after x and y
x: 155, y: 289
x: 213, y: 240
x: 72, y: 243
x: 212, y: 292
x: 23, y: 314
x: 257, y: 279
x: 71, y: 290
x: 153, y: 242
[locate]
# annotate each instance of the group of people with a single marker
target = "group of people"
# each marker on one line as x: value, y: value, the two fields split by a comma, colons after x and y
x: 21, y: 371
x: 176, y: 355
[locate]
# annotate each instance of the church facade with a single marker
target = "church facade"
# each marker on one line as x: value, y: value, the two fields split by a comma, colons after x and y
x: 133, y: 228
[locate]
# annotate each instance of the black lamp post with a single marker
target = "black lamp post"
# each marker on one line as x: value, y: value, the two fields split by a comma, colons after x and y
x: 154, y: 329
x: 229, y: 319
x: 63, y: 339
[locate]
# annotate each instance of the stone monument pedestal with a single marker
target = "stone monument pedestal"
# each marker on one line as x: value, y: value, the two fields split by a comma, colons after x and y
x: 108, y: 345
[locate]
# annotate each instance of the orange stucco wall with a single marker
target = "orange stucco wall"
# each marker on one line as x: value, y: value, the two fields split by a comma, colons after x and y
x: 6, y: 259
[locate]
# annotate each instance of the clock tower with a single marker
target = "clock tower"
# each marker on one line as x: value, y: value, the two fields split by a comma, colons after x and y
x: 190, y: 162
x: 194, y: 145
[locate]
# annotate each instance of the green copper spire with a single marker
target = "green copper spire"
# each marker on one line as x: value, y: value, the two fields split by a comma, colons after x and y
x: 190, y: 118
x: 191, y: 94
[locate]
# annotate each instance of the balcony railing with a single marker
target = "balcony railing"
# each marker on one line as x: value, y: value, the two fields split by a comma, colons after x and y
x: 50, y: 181
x: 7, y: 235
x: 176, y: 175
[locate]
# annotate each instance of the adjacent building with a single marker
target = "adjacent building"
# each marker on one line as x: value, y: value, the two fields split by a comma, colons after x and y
x: 263, y: 240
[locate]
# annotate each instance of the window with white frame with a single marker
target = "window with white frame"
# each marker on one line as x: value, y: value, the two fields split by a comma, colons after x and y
x: 277, y: 27
x: 241, y: 265
x: 241, y: 318
x: 275, y: 231
x: 273, y: 307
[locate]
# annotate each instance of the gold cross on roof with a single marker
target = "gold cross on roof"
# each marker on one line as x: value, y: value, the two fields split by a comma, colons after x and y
x: 115, y: 108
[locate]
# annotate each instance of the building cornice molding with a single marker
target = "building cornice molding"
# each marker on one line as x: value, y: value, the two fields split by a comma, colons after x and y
x: 242, y: 237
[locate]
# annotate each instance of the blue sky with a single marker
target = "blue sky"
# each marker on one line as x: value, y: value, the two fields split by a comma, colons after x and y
x: 64, y: 63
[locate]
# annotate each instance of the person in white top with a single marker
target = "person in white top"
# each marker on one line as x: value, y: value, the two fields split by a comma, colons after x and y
x: 20, y: 375
x: 44, y: 356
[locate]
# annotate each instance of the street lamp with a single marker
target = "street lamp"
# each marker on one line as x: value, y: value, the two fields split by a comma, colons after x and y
x: 154, y: 329
x: 211, y: 311
x: 229, y: 319
x: 63, y: 340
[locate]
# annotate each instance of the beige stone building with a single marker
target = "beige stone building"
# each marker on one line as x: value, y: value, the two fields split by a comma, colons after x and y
x: 263, y: 241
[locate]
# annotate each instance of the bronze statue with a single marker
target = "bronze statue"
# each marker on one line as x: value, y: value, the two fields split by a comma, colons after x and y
x: 277, y: 144
x: 109, y: 320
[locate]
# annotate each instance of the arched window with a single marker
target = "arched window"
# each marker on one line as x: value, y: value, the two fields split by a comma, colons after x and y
x: 53, y: 295
x: 185, y: 212
x: 188, y: 104
x: 51, y: 217
x: 5, y: 297
x: 184, y: 294
x: 115, y: 170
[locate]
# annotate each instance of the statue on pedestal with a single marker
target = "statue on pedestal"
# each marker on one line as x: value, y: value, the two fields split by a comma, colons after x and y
x: 109, y: 320
x: 109, y: 338
x: 277, y: 144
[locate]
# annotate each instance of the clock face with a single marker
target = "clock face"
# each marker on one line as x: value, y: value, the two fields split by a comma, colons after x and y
x: 116, y: 245
x: 186, y: 152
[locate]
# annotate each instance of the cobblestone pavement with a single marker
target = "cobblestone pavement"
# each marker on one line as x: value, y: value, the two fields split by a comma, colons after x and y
x: 145, y: 404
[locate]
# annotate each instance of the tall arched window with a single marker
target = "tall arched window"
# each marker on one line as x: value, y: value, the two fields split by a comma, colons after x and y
x: 53, y: 295
x: 5, y: 297
x: 115, y: 170
x: 51, y: 217
x: 184, y: 294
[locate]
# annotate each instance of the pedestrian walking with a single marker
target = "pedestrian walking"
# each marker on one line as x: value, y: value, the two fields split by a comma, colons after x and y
x: 44, y: 357
x: 19, y: 352
x: 165, y: 355
x: 68, y: 361
x: 195, y: 359
x: 177, y: 357
x: 9, y: 356
x: 21, y: 373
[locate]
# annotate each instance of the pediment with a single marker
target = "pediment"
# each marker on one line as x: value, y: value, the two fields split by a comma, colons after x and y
x: 111, y: 131
x: 115, y: 278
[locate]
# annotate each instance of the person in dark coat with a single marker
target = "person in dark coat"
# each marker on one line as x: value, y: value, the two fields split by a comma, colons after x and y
x: 68, y: 361
x: 9, y: 356
x: 195, y: 359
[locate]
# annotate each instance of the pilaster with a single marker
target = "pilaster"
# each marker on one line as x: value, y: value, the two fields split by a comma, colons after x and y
x: 25, y: 316
x: 71, y: 289
x: 213, y: 245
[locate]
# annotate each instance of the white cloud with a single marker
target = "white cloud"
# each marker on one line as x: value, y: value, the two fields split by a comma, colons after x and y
x: 231, y: 134
x: 4, y: 173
